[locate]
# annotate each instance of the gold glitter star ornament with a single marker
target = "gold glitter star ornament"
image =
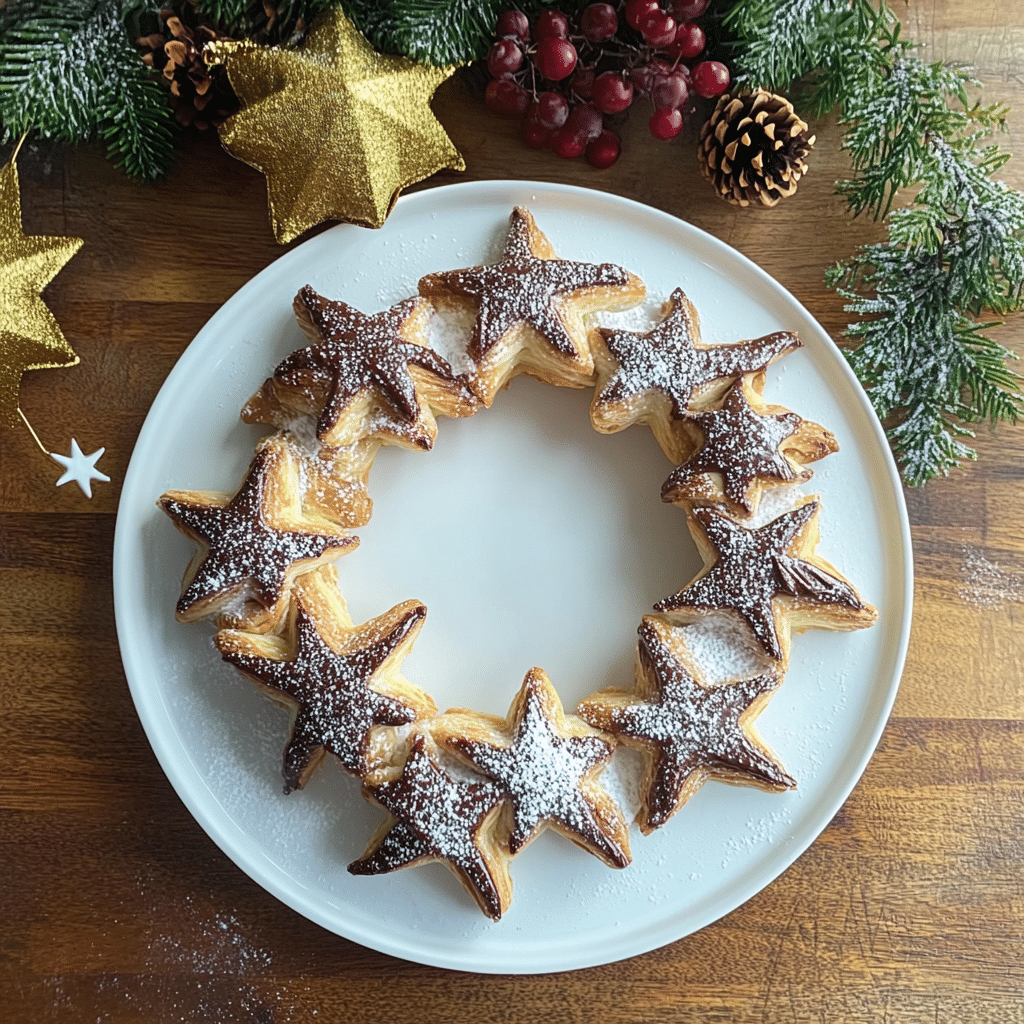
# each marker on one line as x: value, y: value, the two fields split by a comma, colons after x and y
x: 337, y: 128
x: 29, y: 336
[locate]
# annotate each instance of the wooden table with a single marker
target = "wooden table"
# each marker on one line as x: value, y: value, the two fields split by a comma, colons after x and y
x: 115, y: 906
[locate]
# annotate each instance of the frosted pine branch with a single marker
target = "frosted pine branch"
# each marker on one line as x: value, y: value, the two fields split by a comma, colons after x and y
x: 69, y: 71
x: 956, y: 250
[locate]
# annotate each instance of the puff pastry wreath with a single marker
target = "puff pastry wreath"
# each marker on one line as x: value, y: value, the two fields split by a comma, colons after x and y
x: 466, y: 789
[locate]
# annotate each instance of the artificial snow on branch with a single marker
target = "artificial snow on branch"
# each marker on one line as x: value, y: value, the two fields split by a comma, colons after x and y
x: 954, y: 252
x: 70, y: 71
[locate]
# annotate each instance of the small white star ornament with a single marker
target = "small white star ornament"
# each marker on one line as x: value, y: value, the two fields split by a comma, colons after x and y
x: 77, y: 466
x: 80, y: 467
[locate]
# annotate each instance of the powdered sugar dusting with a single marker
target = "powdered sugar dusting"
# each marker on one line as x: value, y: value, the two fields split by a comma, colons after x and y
x: 524, y: 288
x: 689, y: 727
x: 358, y: 351
x: 443, y: 811
x: 223, y: 947
x: 668, y: 359
x: 987, y: 585
x: 440, y: 817
x: 775, y: 501
x: 331, y: 479
x: 245, y: 550
x: 639, y: 318
x: 543, y: 772
x: 193, y: 964
x: 448, y: 334
x: 621, y: 779
x: 741, y: 444
x: 758, y: 831
x: 724, y: 648
x: 337, y: 707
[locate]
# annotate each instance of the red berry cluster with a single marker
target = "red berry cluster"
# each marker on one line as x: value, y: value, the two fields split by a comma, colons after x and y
x: 564, y: 78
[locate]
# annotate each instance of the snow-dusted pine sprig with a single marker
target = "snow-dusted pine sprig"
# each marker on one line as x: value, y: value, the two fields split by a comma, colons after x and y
x: 897, y: 111
x: 778, y: 42
x: 930, y: 393
x: 69, y: 70
x: 954, y: 252
x: 439, y: 32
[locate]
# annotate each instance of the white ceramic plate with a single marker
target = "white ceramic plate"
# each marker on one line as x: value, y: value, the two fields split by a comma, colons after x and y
x: 532, y: 540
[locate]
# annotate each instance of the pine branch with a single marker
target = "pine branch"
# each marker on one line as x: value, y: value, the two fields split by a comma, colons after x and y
x: 958, y: 249
x: 69, y: 71
x: 439, y: 32
x: 894, y: 118
x: 979, y: 227
x: 923, y: 361
x: 785, y: 40
x: 284, y: 21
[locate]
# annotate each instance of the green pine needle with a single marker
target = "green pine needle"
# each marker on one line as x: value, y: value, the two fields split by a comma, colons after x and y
x: 69, y: 71
x: 438, y: 32
x: 956, y: 250
x: 249, y: 19
x: 931, y: 390
x: 780, y: 41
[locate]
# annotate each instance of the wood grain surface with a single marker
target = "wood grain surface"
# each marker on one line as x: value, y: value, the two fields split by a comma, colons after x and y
x: 114, y: 904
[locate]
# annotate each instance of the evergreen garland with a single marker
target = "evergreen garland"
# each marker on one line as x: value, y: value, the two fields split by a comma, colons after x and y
x: 955, y: 251
x: 69, y: 71
x: 267, y: 21
x: 439, y: 32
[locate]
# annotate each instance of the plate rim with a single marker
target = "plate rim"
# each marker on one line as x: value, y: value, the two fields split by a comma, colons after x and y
x: 226, y: 833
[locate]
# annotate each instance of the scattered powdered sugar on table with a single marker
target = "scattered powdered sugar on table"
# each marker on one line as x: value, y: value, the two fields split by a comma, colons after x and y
x: 222, y: 947
x: 985, y: 584
x: 198, y: 966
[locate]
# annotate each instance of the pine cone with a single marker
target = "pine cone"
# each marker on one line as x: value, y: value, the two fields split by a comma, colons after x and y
x: 753, y: 148
x: 200, y: 95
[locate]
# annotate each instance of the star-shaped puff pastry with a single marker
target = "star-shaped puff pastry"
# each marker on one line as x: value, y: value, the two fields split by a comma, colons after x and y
x: 251, y: 546
x: 531, y: 308
x: 658, y: 376
x: 548, y: 765
x: 770, y: 576
x: 688, y: 731
x: 339, y: 679
x: 436, y: 817
x: 746, y: 444
x: 336, y: 479
x: 365, y: 375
